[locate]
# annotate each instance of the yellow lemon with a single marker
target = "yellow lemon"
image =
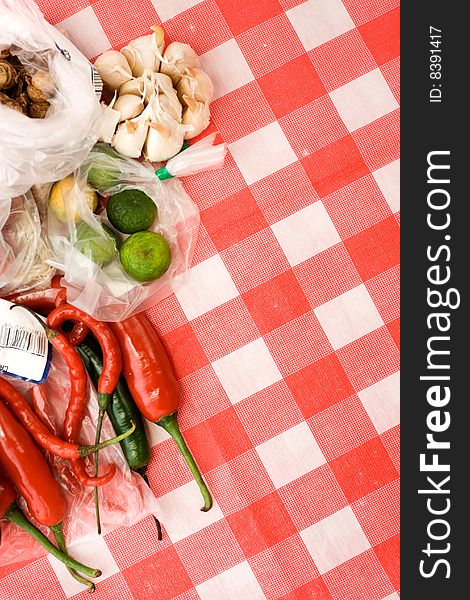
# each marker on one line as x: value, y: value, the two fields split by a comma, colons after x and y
x: 66, y: 197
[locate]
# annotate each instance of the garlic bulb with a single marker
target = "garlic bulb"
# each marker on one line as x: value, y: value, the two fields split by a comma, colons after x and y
x: 177, y: 58
x: 130, y: 136
x: 113, y: 68
x: 195, y: 114
x: 143, y: 53
x: 129, y: 106
x: 197, y: 84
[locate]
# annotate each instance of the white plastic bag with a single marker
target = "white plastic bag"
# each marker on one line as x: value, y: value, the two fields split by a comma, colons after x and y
x: 43, y: 150
x: 23, y: 246
x: 106, y: 291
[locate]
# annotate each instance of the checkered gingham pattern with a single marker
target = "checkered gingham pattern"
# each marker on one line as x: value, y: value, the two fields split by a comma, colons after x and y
x: 285, y: 337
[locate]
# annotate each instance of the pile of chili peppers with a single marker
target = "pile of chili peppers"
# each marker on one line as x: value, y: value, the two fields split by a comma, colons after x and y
x: 133, y: 376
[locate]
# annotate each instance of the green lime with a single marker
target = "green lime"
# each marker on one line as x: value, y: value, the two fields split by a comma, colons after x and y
x: 130, y: 211
x: 145, y: 255
x: 100, y: 248
x: 101, y: 175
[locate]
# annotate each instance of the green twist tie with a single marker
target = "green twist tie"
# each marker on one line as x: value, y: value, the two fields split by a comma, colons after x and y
x: 163, y: 173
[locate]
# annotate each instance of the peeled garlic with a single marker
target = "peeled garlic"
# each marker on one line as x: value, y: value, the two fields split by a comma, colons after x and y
x: 143, y: 53
x: 177, y: 58
x: 195, y: 114
x: 197, y: 84
x: 130, y: 136
x: 113, y: 68
x: 129, y: 106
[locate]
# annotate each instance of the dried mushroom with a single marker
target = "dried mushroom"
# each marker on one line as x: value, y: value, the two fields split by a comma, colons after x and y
x: 27, y: 93
x: 8, y: 75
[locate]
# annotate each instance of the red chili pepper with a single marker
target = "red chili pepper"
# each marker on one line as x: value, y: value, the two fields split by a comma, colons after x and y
x: 27, y: 469
x: 153, y: 385
x: 76, y: 406
x: 112, y: 365
x: 78, y: 466
x: 43, y: 301
x: 39, y: 431
x: 112, y: 361
x: 10, y: 511
x: 78, y: 334
x: 30, y: 474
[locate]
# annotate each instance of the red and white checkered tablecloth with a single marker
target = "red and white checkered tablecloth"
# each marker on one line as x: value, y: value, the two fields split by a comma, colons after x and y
x: 285, y: 337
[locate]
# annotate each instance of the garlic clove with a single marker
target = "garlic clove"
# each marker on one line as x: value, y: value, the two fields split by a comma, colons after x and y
x: 113, y: 68
x: 130, y: 136
x: 167, y: 100
x: 129, y: 106
x: 134, y: 86
x: 144, y: 52
x: 159, y: 37
x: 190, y: 101
x: 177, y: 58
x: 161, y: 143
x: 171, y: 106
x: 162, y: 130
x: 164, y: 83
x: 197, y: 115
x: 196, y: 83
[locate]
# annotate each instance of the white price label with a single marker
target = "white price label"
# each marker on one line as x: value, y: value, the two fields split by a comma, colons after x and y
x: 24, y: 349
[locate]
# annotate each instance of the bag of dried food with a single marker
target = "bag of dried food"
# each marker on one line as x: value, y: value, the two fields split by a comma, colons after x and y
x: 23, y: 244
x: 49, y: 112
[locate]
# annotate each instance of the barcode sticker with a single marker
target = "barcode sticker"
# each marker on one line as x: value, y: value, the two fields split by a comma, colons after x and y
x: 97, y: 82
x: 24, y: 349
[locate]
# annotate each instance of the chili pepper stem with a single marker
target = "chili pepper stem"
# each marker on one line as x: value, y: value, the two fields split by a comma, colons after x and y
x: 86, y: 450
x: 159, y: 528
x: 59, y: 538
x: 170, y: 425
x: 99, y: 425
x: 14, y: 515
x: 143, y: 473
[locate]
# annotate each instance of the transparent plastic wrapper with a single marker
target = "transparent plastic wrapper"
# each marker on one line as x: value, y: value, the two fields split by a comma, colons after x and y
x: 23, y: 246
x: 40, y: 150
x: 201, y: 156
x: 125, y: 500
x: 102, y: 288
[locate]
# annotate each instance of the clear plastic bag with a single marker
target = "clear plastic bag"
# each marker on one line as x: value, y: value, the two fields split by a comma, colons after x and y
x: 43, y: 150
x: 23, y: 246
x: 125, y: 500
x: 105, y: 291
